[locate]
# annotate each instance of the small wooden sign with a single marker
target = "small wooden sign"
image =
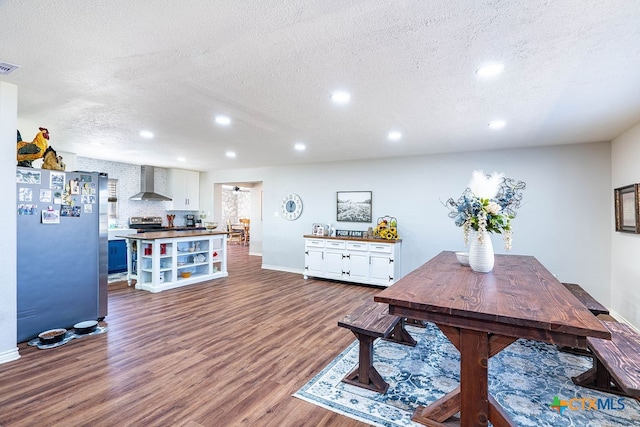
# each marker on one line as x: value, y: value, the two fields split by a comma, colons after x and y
x: 350, y: 233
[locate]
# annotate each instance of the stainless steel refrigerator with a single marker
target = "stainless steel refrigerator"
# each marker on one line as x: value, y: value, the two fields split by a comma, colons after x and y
x: 61, y: 248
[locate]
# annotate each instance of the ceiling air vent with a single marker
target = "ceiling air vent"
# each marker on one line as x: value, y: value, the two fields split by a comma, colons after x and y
x: 6, y: 68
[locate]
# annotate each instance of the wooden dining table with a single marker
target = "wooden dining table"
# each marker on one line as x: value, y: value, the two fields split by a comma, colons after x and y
x: 483, y: 313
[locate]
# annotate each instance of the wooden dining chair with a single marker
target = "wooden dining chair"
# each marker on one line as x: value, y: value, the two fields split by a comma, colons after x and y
x: 245, y: 232
x: 233, y: 235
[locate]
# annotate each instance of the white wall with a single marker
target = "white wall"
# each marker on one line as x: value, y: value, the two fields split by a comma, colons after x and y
x: 255, y: 240
x: 564, y: 221
x: 8, y: 301
x: 625, y: 247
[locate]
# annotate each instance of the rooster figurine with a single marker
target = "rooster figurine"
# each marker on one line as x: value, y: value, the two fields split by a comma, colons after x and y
x: 30, y: 151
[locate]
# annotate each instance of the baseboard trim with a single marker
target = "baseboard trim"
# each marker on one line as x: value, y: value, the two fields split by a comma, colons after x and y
x: 280, y: 268
x: 9, y: 355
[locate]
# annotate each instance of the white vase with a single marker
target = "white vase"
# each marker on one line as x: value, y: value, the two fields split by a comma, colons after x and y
x: 481, y: 253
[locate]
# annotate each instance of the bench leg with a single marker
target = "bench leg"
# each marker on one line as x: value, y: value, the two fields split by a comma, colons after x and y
x: 598, y: 378
x: 400, y: 335
x: 365, y: 374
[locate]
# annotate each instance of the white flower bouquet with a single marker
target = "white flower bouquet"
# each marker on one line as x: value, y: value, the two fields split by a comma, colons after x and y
x: 487, y: 205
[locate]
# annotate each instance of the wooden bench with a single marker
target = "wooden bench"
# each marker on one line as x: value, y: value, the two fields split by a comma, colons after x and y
x: 368, y: 322
x: 587, y: 300
x: 616, y: 363
x: 594, y: 307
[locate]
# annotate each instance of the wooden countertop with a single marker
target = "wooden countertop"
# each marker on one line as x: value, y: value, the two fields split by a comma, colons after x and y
x: 156, y: 235
x: 355, y: 239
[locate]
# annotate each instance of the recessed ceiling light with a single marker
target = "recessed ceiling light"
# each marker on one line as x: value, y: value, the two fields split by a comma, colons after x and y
x: 231, y: 154
x: 181, y: 159
x: 497, y: 124
x: 341, y: 97
x: 223, y: 120
x: 300, y: 146
x: 146, y: 134
x: 394, y: 136
x: 490, y: 69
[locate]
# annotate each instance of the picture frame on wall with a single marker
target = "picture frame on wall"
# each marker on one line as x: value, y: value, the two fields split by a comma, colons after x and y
x: 354, y: 206
x: 626, y: 209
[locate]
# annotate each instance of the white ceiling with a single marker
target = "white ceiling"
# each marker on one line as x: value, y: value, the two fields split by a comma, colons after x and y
x: 97, y: 72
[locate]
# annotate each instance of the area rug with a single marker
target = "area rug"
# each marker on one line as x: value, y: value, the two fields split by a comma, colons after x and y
x: 531, y: 380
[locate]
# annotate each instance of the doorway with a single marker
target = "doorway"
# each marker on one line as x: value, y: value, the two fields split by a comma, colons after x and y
x: 236, y: 203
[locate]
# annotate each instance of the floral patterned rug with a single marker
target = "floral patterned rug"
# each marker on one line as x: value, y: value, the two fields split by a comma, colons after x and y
x: 530, y: 379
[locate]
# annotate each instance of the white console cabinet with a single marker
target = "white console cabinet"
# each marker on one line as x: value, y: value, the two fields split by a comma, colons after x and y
x: 367, y: 261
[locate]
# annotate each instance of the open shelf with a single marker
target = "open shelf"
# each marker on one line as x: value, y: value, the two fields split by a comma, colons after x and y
x: 161, y: 261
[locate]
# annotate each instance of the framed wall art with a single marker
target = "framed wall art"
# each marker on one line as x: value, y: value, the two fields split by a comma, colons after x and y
x: 626, y: 209
x: 354, y: 206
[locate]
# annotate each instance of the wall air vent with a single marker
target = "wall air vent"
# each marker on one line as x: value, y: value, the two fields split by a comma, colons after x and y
x: 6, y: 68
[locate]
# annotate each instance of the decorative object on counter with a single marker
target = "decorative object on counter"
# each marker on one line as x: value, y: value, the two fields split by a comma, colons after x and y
x: 314, y: 228
x: 350, y: 233
x: 354, y: 206
x: 626, y: 208
x: 486, y: 206
x: 387, y: 228
x: 170, y: 219
x: 463, y: 257
x: 52, y: 161
x: 27, y: 152
x: 481, y: 256
x: 210, y: 225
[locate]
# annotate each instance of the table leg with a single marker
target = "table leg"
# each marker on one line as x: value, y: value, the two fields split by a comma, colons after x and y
x: 472, y: 396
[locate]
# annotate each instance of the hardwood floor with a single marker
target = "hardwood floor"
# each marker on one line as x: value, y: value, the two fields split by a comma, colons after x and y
x: 228, y: 352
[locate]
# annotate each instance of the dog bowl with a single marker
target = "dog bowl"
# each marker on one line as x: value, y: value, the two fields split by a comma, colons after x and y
x: 52, y: 336
x: 85, y: 327
x: 463, y: 257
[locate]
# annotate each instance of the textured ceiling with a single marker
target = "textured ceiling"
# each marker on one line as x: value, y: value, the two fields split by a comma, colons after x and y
x: 97, y: 72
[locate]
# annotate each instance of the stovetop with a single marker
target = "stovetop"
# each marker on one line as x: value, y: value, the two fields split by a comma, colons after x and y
x: 136, y: 221
x: 154, y: 223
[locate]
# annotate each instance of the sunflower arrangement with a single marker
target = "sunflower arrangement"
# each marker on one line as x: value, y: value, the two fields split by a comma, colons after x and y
x: 487, y: 205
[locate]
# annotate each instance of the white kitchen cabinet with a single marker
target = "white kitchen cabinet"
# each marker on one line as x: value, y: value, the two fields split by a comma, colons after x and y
x: 183, y: 187
x: 364, y: 261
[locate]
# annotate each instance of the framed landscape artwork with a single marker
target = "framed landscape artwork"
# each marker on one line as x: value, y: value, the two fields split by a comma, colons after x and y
x: 354, y: 206
x: 626, y: 207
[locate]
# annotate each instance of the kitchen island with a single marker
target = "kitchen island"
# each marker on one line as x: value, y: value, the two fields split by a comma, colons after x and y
x: 162, y: 260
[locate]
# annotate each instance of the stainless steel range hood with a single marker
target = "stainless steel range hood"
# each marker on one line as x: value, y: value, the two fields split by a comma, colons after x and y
x: 146, y: 187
